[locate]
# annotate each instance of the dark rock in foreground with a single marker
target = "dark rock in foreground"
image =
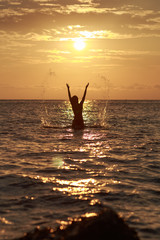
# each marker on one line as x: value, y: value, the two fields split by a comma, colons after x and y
x: 107, y: 225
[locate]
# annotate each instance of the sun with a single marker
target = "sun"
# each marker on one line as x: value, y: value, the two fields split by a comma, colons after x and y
x: 79, y: 44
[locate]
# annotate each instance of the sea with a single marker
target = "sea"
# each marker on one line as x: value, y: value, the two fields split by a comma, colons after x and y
x: 50, y: 173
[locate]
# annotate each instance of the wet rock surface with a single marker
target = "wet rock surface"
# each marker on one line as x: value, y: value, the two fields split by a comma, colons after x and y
x: 106, y: 225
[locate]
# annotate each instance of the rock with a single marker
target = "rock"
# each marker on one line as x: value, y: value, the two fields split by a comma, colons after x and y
x: 106, y: 225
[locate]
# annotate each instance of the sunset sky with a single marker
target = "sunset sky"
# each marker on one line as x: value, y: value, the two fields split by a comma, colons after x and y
x: 118, y: 54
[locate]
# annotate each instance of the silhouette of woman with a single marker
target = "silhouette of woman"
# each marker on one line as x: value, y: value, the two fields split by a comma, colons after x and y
x: 77, y: 108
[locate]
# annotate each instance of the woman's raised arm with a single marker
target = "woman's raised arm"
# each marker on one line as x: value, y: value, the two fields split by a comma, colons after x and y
x: 84, y: 95
x: 69, y: 93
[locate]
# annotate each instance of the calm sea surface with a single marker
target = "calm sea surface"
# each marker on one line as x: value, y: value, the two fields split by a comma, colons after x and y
x: 49, y: 172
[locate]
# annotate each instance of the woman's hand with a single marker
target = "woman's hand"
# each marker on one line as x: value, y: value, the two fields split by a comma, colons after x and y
x: 67, y: 85
x: 87, y: 85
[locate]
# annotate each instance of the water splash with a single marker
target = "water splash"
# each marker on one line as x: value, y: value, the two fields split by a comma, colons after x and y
x: 102, y: 116
x: 46, y: 84
x: 45, y: 119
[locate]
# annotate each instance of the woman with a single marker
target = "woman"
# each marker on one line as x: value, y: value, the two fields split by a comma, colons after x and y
x: 77, y: 109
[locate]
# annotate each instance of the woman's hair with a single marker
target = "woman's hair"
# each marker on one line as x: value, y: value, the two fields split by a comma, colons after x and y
x: 74, y: 99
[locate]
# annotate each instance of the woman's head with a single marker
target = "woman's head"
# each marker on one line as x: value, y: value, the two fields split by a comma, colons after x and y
x: 74, y: 100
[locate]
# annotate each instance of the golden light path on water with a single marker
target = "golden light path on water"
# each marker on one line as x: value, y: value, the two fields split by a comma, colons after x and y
x: 93, y: 152
x: 81, y: 189
x: 87, y: 153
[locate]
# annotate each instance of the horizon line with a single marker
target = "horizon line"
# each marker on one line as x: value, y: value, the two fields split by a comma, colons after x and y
x: 59, y: 99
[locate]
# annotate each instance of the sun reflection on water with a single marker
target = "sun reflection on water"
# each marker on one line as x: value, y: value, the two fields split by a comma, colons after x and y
x: 88, y: 215
x: 83, y: 155
x: 76, y: 187
x: 45, y: 179
x: 70, y: 220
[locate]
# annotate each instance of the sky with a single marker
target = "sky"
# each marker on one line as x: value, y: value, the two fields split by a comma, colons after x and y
x: 112, y: 44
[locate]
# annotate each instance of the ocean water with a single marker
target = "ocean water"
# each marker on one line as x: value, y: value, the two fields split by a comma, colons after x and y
x: 49, y: 172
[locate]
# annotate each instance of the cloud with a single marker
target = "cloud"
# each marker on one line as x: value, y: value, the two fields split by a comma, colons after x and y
x: 157, y: 86
x: 43, y: 24
x: 144, y: 4
x: 118, y: 17
x: 131, y: 87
